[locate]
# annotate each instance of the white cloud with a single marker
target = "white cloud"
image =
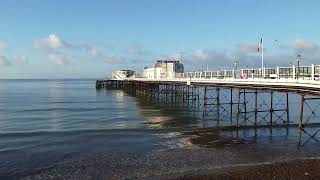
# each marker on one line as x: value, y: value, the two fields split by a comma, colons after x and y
x: 51, y: 42
x: 93, y: 52
x: 136, y: 50
x: 4, y: 61
x: 304, y: 46
x: 58, y: 58
x: 177, y: 56
x: 111, y: 59
x: 225, y: 59
x: 201, y: 54
x: 98, y: 54
x: 58, y: 50
x: 92, y: 49
x: 55, y: 42
x: 3, y: 46
x: 247, y: 55
x: 21, y: 59
x: 248, y: 47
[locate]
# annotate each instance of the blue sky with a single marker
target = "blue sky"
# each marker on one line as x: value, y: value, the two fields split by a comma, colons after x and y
x: 89, y: 39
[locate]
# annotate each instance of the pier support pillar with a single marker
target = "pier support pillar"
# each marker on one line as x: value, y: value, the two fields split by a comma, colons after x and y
x: 309, y: 115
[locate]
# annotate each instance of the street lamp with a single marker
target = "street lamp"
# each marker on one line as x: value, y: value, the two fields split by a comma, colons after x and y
x: 298, y: 65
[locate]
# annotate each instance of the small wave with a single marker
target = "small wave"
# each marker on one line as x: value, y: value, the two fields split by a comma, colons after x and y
x: 65, y: 109
x: 84, y: 131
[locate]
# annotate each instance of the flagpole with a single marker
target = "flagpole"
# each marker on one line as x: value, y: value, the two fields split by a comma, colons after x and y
x: 262, y: 51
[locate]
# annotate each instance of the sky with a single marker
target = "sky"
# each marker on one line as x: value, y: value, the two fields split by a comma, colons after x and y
x: 89, y: 39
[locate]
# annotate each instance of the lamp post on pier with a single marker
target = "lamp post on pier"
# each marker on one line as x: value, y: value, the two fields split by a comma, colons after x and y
x: 298, y: 65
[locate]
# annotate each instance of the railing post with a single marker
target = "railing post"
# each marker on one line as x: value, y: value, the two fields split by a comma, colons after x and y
x: 312, y: 72
x: 263, y: 72
x: 225, y: 74
x: 278, y: 72
x: 293, y: 72
x: 252, y: 73
x: 211, y: 74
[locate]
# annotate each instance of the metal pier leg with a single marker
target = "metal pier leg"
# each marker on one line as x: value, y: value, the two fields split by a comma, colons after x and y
x: 172, y: 94
x: 183, y: 93
x: 255, y: 107
x: 198, y: 97
x: 218, y: 103
x: 245, y: 105
x: 238, y: 111
x: 188, y: 94
x: 176, y: 94
x: 166, y: 93
x: 231, y: 105
x: 271, y: 108
x: 301, y: 112
x: 192, y: 96
x: 301, y: 120
x: 299, y: 137
x: 158, y: 92
x: 288, y: 117
x: 205, y: 99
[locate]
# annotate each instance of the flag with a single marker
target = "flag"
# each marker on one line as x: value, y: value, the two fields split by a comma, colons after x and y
x: 260, y: 45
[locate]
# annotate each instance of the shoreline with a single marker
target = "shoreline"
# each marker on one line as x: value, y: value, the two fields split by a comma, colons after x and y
x: 290, y: 169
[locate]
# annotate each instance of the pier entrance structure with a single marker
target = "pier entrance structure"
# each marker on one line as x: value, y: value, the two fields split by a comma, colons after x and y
x: 166, y: 69
x: 246, y: 97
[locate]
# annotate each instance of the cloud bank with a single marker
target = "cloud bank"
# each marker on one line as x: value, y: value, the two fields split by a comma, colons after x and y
x: 247, y: 56
x: 60, y: 51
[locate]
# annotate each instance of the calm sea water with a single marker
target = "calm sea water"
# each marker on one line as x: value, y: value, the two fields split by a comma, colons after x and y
x: 66, y: 128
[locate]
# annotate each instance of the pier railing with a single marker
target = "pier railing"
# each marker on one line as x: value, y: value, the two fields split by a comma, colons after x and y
x: 302, y: 72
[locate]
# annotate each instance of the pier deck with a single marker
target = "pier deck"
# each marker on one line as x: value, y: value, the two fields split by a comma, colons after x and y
x: 306, y: 87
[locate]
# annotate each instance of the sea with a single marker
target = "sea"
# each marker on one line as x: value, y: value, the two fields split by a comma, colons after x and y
x: 68, y: 129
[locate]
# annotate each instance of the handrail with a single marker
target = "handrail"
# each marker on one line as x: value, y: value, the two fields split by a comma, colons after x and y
x: 302, y: 72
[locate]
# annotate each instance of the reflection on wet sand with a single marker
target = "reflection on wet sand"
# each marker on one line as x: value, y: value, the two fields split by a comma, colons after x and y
x: 164, y: 116
x: 220, y: 138
x: 214, y: 139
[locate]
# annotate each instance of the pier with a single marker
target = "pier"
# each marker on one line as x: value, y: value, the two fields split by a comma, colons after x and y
x: 244, y: 98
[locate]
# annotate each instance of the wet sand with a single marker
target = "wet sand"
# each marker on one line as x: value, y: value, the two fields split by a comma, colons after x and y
x: 297, y: 169
x: 182, y: 155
